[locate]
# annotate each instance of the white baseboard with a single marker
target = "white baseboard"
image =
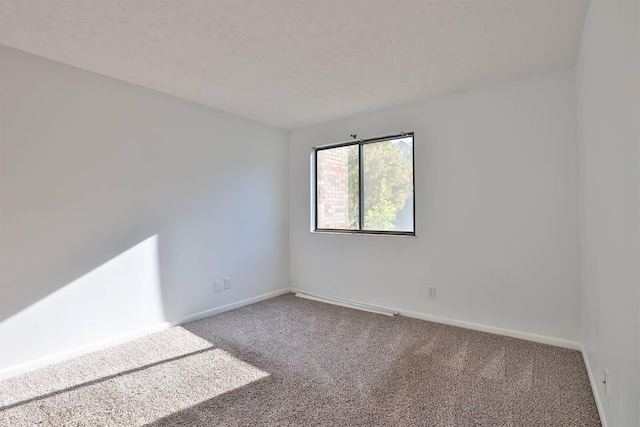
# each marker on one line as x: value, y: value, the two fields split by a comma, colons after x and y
x: 78, y: 351
x: 130, y: 336
x: 242, y: 303
x: 348, y: 304
x: 594, y: 387
x: 543, y: 339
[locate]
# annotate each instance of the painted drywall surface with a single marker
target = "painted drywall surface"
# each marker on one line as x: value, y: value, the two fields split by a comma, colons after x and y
x: 608, y: 94
x: 496, y: 211
x: 120, y: 206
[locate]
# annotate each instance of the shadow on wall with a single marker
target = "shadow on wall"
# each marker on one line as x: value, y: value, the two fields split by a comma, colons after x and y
x: 48, y: 242
x: 97, y: 178
x: 161, y: 277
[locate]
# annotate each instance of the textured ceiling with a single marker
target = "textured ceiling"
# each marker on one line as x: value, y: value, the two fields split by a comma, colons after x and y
x: 291, y: 63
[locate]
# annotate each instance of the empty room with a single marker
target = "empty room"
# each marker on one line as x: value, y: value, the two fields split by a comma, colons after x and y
x: 320, y: 213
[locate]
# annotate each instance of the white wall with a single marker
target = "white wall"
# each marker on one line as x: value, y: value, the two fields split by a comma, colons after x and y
x: 119, y: 206
x: 496, y: 202
x: 608, y: 89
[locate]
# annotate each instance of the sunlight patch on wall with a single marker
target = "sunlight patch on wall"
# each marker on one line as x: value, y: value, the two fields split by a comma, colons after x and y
x: 120, y: 296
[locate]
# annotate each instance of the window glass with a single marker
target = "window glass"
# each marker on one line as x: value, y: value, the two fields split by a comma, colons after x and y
x: 388, y: 185
x: 338, y: 178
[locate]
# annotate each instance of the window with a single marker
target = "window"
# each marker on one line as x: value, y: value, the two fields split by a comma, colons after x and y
x: 365, y: 186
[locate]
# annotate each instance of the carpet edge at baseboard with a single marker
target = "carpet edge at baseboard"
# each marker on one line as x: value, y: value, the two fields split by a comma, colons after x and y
x: 78, y: 351
x: 594, y: 387
x: 32, y: 365
x: 528, y: 336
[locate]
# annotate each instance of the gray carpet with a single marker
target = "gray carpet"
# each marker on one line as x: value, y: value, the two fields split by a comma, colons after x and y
x: 293, y: 362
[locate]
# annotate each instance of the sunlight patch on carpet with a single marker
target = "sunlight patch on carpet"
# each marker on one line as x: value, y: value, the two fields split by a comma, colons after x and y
x: 138, y: 395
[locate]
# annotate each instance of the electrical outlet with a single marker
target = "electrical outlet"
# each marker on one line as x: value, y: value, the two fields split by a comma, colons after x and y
x: 431, y: 293
x: 606, y: 381
x: 217, y: 286
x: 227, y: 282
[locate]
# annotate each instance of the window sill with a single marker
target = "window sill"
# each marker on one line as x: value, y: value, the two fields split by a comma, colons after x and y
x: 366, y: 233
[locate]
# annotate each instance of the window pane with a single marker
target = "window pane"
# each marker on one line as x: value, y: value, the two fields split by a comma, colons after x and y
x: 388, y: 185
x: 337, y: 188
